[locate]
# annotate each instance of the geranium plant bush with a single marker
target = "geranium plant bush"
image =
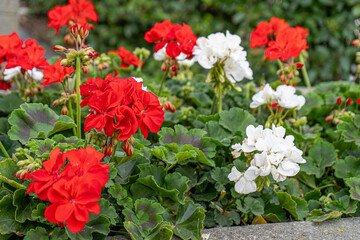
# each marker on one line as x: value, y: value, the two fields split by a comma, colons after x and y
x: 104, y: 149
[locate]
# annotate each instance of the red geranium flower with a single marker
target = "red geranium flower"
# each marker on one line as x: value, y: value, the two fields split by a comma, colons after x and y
x: 127, y: 58
x: 71, y: 203
x: 46, y: 176
x: 177, y: 38
x: 126, y: 122
x: 288, y: 43
x: 56, y: 73
x: 77, y: 11
x: 265, y: 30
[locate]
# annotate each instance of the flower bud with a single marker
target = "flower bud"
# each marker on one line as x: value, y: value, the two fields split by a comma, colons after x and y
x: 299, y: 65
x: 64, y: 110
x: 69, y: 40
x: 65, y: 63
x: 128, y: 148
x: 59, y: 49
x: 339, y: 101
x: 294, y: 84
x: 40, y: 88
x: 355, y: 42
x: 110, y: 150
x: 114, y: 141
x: 163, y: 67
x: 329, y: 118
x: 84, y: 69
x: 274, y: 105
x: 103, y: 150
x: 173, y: 68
x: 349, y: 101
x: 131, y: 140
x: 358, y: 101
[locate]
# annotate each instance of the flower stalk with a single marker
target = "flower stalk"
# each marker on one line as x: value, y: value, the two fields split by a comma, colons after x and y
x: 4, y: 150
x: 78, y: 99
x: 304, y: 72
x: 163, y: 79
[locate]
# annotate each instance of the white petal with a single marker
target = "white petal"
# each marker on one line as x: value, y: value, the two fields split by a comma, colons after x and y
x: 251, y: 173
x: 235, y: 174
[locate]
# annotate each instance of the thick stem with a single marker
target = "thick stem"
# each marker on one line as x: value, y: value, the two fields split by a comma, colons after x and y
x: 138, y: 70
x: 163, y: 79
x: 220, y: 100
x: 213, y: 105
x: 280, y: 64
x: 72, y: 115
x: 78, y: 99
x: 113, y: 153
x: 4, y: 150
x: 304, y: 72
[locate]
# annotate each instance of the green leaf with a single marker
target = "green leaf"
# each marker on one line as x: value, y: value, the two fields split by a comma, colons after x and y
x: 350, y: 129
x: 59, y: 234
x: 322, y: 155
x: 189, y: 221
x: 220, y: 175
x: 108, y: 210
x: 24, y: 205
x: 8, y: 224
x: 199, y: 155
x: 38, y: 233
x: 10, y: 102
x: 7, y: 174
x: 354, y: 184
x: 38, y: 213
x: 236, y: 120
x: 217, y: 132
x: 146, y: 217
x: 9, y: 145
x: 41, y: 148
x: 178, y: 182
x: 97, y: 224
x: 133, y: 230
x: 121, y: 196
x: 4, y: 125
x: 295, y: 206
x: 348, y: 167
x: 292, y: 187
x: 250, y: 205
x: 319, y: 216
x: 35, y: 120
x: 344, y: 204
x: 162, y: 232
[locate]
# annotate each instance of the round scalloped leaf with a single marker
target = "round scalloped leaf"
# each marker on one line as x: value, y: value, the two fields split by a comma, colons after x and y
x: 348, y: 167
x: 38, y: 233
x: 236, y: 120
x: 354, y: 184
x: 35, y: 120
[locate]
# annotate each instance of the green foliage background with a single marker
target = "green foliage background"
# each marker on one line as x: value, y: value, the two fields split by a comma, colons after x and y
x: 330, y: 23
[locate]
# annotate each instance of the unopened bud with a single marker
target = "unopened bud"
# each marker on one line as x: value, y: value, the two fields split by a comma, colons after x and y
x: 56, y: 102
x: 274, y: 105
x: 163, y: 67
x: 283, y: 78
x: 299, y: 65
x: 294, y: 84
x: 329, y: 118
x: 64, y: 110
x: 173, y: 68
x: 103, y: 150
x: 339, y: 101
x: 84, y: 69
x: 59, y: 49
x: 128, y: 148
x: 114, y: 141
x: 349, y: 101
x: 109, y: 150
x: 358, y: 101
x: 355, y: 42
x: 65, y: 63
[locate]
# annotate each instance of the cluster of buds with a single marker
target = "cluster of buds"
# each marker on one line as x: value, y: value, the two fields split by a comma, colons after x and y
x: 128, y: 147
x: 102, y: 62
x: 63, y: 99
x: 25, y: 162
x: 288, y: 71
x: 172, y: 65
x: 187, y: 112
x: 298, y: 122
x: 96, y: 138
x: 142, y: 53
x: 31, y: 89
x: 169, y: 106
x: 187, y: 89
x: 336, y: 115
x: 86, y: 55
x: 356, y: 43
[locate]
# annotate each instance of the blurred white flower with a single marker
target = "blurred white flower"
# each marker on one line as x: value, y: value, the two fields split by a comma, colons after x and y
x: 264, y: 96
x: 35, y: 74
x: 11, y: 72
x: 226, y: 50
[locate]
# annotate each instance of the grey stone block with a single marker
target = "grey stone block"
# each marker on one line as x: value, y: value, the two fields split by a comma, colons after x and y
x: 9, y: 21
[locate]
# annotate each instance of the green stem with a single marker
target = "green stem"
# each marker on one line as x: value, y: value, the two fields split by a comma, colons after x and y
x: 138, y: 70
x: 78, y: 99
x: 72, y: 115
x: 213, y: 105
x: 163, y: 79
x: 280, y: 64
x: 304, y: 72
x: 220, y: 100
x: 4, y: 150
x: 270, y: 109
x: 326, y: 186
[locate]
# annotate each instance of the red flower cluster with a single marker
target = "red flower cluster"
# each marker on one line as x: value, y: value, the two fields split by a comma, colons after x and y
x: 72, y: 191
x: 178, y: 39
x: 127, y: 58
x: 56, y: 73
x: 76, y: 12
x: 15, y: 52
x: 289, y: 42
x: 120, y: 106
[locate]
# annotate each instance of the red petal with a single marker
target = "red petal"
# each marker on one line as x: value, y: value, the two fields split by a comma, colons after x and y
x: 64, y: 211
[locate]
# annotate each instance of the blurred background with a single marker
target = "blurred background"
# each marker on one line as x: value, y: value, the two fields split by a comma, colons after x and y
x: 123, y: 23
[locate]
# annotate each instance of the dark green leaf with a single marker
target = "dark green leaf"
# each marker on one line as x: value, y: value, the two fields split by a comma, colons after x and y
x: 236, y: 120
x: 38, y: 233
x: 24, y: 205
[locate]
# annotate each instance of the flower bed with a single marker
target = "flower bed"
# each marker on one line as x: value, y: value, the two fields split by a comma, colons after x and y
x: 118, y: 153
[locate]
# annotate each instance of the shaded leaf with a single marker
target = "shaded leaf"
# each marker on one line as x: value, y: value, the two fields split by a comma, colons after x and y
x: 236, y: 120
x: 38, y: 233
x: 24, y: 205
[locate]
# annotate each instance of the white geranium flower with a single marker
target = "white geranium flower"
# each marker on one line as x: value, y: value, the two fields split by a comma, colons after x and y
x: 264, y: 96
x: 286, y: 97
x: 278, y: 155
x: 237, y: 150
x: 35, y: 74
x: 11, y: 72
x: 226, y: 50
x: 242, y: 184
x: 187, y: 62
x: 261, y: 161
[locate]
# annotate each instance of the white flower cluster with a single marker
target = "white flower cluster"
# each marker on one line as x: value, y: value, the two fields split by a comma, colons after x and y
x: 284, y: 96
x: 226, y: 49
x: 12, y: 72
x: 276, y: 155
